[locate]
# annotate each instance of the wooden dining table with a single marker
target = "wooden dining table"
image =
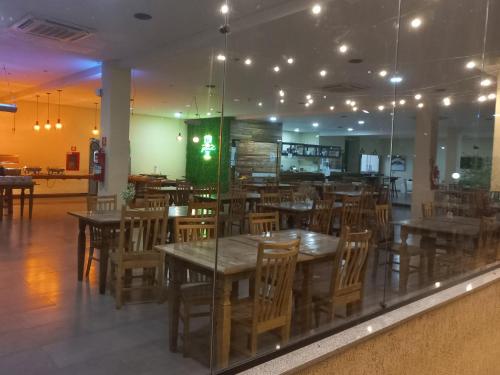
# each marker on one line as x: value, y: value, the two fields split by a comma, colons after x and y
x: 294, y: 210
x: 459, y: 229
x: 108, y: 222
x: 6, y: 191
x: 236, y: 261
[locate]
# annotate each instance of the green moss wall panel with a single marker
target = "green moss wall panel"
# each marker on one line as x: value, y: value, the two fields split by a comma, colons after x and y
x: 203, y: 172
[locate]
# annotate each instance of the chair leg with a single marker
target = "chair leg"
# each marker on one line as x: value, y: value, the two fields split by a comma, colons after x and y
x: 161, y: 280
x: 253, y: 343
x: 186, y: 338
x: 375, y: 262
x: 89, y: 261
x: 317, y: 316
x: 119, y: 287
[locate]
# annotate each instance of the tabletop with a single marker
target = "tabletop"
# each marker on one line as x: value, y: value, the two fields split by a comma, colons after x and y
x: 295, y: 207
x: 226, y: 196
x: 239, y: 253
x: 114, y: 217
x: 467, y: 226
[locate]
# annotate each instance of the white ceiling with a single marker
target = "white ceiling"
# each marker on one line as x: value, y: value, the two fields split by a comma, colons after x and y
x: 172, y: 57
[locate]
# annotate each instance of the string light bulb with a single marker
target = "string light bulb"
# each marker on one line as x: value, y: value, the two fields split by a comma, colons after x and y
x: 36, y: 127
x: 95, y: 131
x: 47, y: 125
x: 58, y: 123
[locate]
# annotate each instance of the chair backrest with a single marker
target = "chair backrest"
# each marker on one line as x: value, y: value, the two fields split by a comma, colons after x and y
x: 385, y: 232
x: 202, y: 209
x: 320, y: 219
x: 269, y: 198
x: 273, y: 280
x: 300, y: 197
x: 192, y: 228
x: 142, y: 230
x: 156, y: 201
x: 286, y: 195
x: 205, y: 191
x: 427, y: 209
x: 101, y: 203
x: 238, y: 204
x: 264, y: 222
x: 350, y: 262
x: 183, y: 193
x: 383, y: 194
x: 351, y: 212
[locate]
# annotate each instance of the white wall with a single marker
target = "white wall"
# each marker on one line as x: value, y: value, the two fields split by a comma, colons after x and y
x: 153, y: 142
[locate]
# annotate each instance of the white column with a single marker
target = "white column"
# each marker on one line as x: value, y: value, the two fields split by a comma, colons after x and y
x: 495, y: 167
x: 453, y: 151
x: 115, y: 124
x: 425, y: 158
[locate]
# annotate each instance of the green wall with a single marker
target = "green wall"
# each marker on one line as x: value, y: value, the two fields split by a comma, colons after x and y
x: 198, y: 170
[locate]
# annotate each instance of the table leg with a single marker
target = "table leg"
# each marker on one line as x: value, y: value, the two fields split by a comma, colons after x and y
x: 10, y: 200
x: 223, y: 321
x: 21, y: 201
x: 174, y: 284
x: 31, y: 202
x: 103, y: 260
x: 404, y: 261
x: 81, y: 248
x: 429, y: 244
x: 305, y: 306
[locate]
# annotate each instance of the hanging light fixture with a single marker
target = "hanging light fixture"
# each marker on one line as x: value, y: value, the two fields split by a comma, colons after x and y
x: 58, y: 123
x: 47, y: 125
x: 36, y: 127
x: 95, y: 131
x: 179, y: 137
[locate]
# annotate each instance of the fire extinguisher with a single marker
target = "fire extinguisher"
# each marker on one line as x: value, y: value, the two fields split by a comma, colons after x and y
x: 99, y: 165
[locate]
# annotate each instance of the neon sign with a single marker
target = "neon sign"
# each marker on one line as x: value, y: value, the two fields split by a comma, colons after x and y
x: 207, y: 147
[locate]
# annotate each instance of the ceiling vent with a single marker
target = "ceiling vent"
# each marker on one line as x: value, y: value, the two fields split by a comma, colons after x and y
x: 48, y: 29
x: 344, y: 87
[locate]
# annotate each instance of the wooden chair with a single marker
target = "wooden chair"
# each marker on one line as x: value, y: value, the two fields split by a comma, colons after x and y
x: 269, y: 307
x: 348, y: 275
x: 427, y: 209
x: 196, y: 289
x: 487, y: 243
x: 237, y: 210
x: 183, y: 193
x: 351, y: 213
x: 320, y: 219
x: 270, y: 198
x: 286, y: 195
x: 298, y: 197
x: 384, y: 241
x: 158, y: 201
x: 140, y: 232
x: 264, y: 222
x: 100, y: 204
x: 202, y: 209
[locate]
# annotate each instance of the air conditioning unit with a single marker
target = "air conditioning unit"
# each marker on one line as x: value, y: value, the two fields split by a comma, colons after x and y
x: 50, y: 29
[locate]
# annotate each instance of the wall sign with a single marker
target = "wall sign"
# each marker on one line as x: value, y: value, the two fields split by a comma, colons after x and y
x: 207, y: 147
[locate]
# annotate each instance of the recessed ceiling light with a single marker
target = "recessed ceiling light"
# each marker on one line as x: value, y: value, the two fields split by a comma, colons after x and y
x: 443, y: 148
x: 281, y: 93
x: 236, y: 99
x: 221, y: 57
x: 381, y: 107
x: 143, y: 16
x: 418, y: 96
x: 416, y: 23
x: 482, y: 98
x: 420, y: 105
x: 353, y: 103
x: 343, y: 48
x: 402, y: 102
x: 259, y: 104
x: 296, y: 130
x: 310, y: 101
x: 276, y: 69
x: 382, y: 73
x: 365, y: 111
x: 332, y: 108
x: 396, y: 79
x: 486, y: 82
x: 308, y: 96
x: 282, y: 101
x: 224, y: 9
x: 355, y: 109
x: 209, y: 114
x: 323, y: 73
x: 361, y: 122
x: 307, y: 104
x: 273, y: 118
x: 348, y: 102
x: 492, y: 96
x: 248, y: 61
x: 315, y: 124
x: 178, y: 114
x: 470, y: 65
x: 290, y: 60
x: 350, y: 129
x: 447, y: 101
x: 393, y: 103
x: 316, y: 9
x: 324, y: 96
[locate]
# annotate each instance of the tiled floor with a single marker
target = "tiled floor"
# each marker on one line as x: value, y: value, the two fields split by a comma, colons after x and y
x: 52, y: 324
